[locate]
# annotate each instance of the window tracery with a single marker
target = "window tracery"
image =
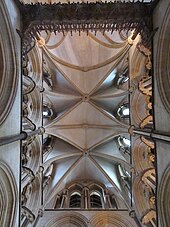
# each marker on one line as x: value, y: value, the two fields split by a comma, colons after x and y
x: 88, y: 196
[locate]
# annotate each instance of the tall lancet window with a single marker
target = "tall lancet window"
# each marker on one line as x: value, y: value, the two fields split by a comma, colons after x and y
x: 75, y: 200
x: 95, y: 200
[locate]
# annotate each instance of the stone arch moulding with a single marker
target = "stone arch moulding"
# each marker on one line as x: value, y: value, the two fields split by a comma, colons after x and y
x: 8, y: 196
x: 73, y: 218
x: 8, y: 63
x: 164, y: 198
x: 163, y: 61
x: 111, y: 220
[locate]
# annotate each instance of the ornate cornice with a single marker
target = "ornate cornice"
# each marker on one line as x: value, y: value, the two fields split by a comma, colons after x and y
x: 84, y: 17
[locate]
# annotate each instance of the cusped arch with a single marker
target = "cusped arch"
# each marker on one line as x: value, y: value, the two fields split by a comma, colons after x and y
x: 8, y: 196
x: 75, y: 219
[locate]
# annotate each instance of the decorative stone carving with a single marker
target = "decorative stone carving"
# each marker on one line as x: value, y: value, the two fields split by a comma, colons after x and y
x: 28, y: 85
x: 41, y: 212
x: 146, y: 121
x: 150, y: 217
x: 28, y: 124
x: 149, y: 178
x: 28, y: 214
x: 151, y: 157
x: 152, y: 201
x: 27, y: 176
x: 145, y: 85
x: 79, y: 20
x: 147, y: 142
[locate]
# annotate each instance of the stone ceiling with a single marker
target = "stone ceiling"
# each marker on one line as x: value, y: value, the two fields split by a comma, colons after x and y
x: 84, y: 98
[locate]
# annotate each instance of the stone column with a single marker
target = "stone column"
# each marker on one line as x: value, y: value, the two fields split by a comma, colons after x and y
x: 14, y: 138
x: 21, y: 136
x: 154, y: 135
x: 86, y: 197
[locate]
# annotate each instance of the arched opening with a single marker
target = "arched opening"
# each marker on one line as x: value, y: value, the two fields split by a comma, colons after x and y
x: 47, y: 112
x: 123, y: 111
x: 95, y: 200
x: 123, y: 77
x: 75, y: 200
x: 126, y: 141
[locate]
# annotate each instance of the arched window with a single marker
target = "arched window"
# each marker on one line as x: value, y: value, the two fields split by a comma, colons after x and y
x: 75, y: 200
x: 47, y: 78
x: 47, y: 112
x: 124, y: 77
x: 123, y: 111
x: 95, y: 200
x: 124, y: 142
x: 47, y: 140
x: 123, y: 172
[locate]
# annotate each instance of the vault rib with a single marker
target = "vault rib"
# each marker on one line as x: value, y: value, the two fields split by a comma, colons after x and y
x: 59, y: 157
x: 103, y: 95
x: 63, y: 115
x: 49, y: 197
x: 69, y: 96
x: 110, y: 157
x: 109, y: 179
x: 84, y: 126
x: 122, y: 125
x: 103, y: 141
x: 48, y: 54
x: 119, y: 56
x: 116, y: 63
x: 66, y: 140
x: 57, y: 44
x: 114, y: 45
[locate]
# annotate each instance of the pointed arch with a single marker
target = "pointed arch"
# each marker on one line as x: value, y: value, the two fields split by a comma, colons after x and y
x: 8, y: 196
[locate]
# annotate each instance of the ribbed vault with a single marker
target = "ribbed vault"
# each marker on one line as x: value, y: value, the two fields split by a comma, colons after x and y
x: 82, y: 91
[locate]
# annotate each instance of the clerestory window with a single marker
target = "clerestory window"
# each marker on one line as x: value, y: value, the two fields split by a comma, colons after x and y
x: 95, y: 200
x: 75, y: 200
x: 47, y: 112
x: 123, y: 111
